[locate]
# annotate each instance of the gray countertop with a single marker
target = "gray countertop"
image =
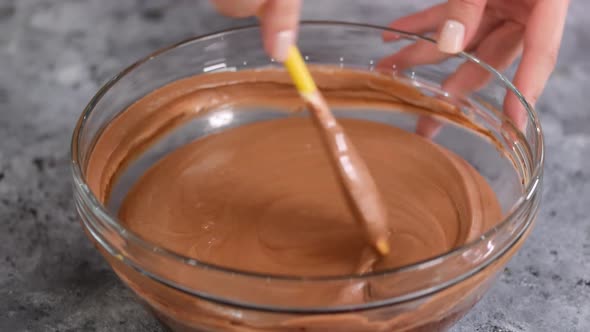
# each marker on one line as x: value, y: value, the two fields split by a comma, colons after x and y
x: 55, y: 54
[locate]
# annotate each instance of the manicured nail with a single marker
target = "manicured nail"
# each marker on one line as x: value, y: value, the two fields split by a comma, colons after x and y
x: 283, y: 40
x: 390, y: 36
x: 428, y: 127
x: 451, y: 37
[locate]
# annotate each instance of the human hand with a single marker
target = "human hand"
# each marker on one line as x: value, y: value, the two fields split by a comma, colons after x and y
x: 497, y: 31
x: 279, y: 21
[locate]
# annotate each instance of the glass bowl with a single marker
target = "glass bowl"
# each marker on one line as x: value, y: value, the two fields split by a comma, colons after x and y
x: 425, y: 296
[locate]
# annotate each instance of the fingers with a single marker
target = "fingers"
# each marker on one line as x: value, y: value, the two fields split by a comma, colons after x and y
x: 463, y: 19
x: 541, y: 46
x: 472, y: 77
x: 279, y: 21
x: 243, y: 8
x: 427, y: 126
x: 423, y: 52
x: 419, y: 53
x: 420, y: 23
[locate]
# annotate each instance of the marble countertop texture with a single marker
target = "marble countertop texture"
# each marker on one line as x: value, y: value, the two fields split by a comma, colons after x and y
x: 54, y: 55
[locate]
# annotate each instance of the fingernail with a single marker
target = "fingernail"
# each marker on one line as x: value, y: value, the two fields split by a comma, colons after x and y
x: 283, y: 41
x: 390, y: 36
x: 428, y: 127
x: 451, y: 37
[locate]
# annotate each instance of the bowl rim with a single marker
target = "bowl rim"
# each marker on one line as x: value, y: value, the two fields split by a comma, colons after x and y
x: 531, y: 187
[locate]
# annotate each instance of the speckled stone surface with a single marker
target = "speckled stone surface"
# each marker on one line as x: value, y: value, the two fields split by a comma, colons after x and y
x: 55, y: 54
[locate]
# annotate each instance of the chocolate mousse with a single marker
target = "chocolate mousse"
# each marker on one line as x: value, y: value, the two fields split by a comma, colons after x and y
x: 264, y: 197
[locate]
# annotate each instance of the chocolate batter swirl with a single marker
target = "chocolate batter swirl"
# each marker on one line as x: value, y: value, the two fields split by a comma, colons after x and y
x: 263, y: 197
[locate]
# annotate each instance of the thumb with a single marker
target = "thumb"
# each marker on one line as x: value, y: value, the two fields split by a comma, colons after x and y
x: 234, y: 8
x: 463, y: 18
x: 280, y: 19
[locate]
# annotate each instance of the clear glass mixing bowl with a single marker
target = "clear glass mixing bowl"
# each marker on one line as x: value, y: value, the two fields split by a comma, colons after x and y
x: 426, y: 296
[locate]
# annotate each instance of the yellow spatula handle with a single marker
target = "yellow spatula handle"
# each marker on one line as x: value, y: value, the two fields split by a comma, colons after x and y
x: 299, y: 72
